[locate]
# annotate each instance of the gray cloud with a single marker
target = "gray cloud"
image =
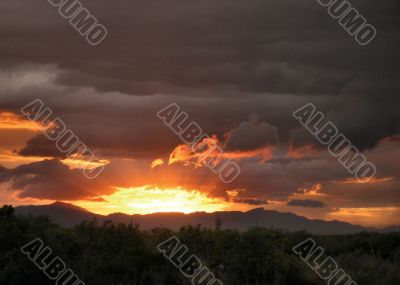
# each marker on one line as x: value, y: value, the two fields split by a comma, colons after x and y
x: 255, y: 202
x: 251, y: 136
x: 267, y: 57
x: 40, y: 145
x: 263, y: 46
x: 50, y: 179
x: 306, y: 203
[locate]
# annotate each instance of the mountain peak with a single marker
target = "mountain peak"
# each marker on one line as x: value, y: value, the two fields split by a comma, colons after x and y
x: 257, y: 210
x: 70, y: 215
x: 64, y: 205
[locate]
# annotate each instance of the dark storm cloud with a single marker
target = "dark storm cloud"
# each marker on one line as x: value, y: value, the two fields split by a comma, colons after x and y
x: 40, y: 145
x: 124, y: 126
x: 302, y: 138
x: 308, y: 203
x: 238, y: 55
x: 251, y: 136
x: 255, y: 202
x: 365, y: 123
x: 277, y: 180
x: 50, y: 179
x: 225, y: 50
x: 384, y: 194
x: 258, y: 46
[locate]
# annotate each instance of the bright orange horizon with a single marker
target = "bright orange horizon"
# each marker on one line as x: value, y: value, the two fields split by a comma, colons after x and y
x: 148, y: 200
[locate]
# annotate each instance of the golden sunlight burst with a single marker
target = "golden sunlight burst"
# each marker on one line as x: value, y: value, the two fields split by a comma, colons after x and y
x: 149, y: 199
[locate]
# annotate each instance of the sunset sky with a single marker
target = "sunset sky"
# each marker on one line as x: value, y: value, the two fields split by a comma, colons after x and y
x: 238, y: 70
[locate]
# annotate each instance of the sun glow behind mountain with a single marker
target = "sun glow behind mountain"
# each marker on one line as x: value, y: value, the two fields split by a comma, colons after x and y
x: 149, y: 199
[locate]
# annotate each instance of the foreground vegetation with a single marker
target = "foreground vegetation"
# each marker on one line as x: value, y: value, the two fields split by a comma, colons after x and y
x: 123, y: 254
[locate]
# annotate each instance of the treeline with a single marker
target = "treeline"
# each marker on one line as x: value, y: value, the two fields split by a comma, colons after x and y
x: 110, y: 253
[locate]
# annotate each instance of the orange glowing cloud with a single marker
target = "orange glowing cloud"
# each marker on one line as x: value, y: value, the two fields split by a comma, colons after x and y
x: 208, y: 149
x: 12, y: 121
x: 311, y: 191
x: 14, y: 132
x: 157, y: 162
x: 78, y: 161
x: 11, y: 160
x: 375, y: 216
x: 371, y: 181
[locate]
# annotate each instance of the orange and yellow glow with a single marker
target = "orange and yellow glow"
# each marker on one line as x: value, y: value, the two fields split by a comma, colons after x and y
x: 148, y: 199
x: 157, y: 162
x: 14, y: 132
x: 371, y: 181
x: 16, y: 129
x: 206, y: 149
x: 12, y: 121
x: 376, y: 216
x: 9, y: 197
x: 312, y: 191
x: 9, y: 159
x: 75, y: 161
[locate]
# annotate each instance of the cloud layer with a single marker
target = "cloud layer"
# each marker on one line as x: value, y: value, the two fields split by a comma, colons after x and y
x: 238, y: 68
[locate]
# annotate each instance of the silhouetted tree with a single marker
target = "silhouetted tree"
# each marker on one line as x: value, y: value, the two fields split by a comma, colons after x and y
x: 109, y: 253
x: 218, y: 223
x: 6, y: 211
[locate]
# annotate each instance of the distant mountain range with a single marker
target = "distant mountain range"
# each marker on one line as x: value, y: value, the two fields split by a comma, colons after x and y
x: 69, y: 215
